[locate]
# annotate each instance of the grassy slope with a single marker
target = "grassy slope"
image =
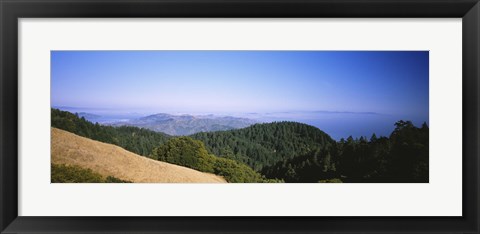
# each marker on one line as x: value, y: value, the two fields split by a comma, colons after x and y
x: 109, y: 160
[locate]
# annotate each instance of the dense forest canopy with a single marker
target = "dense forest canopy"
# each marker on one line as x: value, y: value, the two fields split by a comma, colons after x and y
x: 263, y: 145
x: 280, y: 151
x: 402, y: 157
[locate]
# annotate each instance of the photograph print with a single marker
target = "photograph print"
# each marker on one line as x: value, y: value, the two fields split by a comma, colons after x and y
x: 193, y: 116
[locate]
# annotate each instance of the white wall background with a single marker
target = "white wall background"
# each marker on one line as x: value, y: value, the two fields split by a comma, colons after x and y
x: 441, y: 197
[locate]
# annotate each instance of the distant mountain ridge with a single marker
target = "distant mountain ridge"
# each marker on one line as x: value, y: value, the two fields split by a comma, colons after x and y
x: 89, y: 116
x: 182, y: 125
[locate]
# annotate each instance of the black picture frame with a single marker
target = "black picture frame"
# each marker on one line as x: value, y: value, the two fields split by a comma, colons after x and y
x: 11, y: 11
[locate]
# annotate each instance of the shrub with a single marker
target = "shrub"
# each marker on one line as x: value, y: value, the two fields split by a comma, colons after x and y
x: 185, y: 151
x: 75, y: 174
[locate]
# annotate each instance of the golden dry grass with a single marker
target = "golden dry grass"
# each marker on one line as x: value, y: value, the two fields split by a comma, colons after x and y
x: 110, y: 160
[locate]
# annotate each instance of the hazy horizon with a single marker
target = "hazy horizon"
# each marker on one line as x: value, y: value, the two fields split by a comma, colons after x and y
x: 327, y: 121
x: 345, y: 87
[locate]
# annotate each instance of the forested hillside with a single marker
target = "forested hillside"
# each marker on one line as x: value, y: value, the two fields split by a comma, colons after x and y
x: 183, y: 151
x: 275, y: 152
x: 137, y: 140
x: 263, y: 145
x: 402, y: 157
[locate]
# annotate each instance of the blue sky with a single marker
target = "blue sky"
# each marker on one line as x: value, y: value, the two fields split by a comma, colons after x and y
x: 393, y: 83
x: 250, y: 81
